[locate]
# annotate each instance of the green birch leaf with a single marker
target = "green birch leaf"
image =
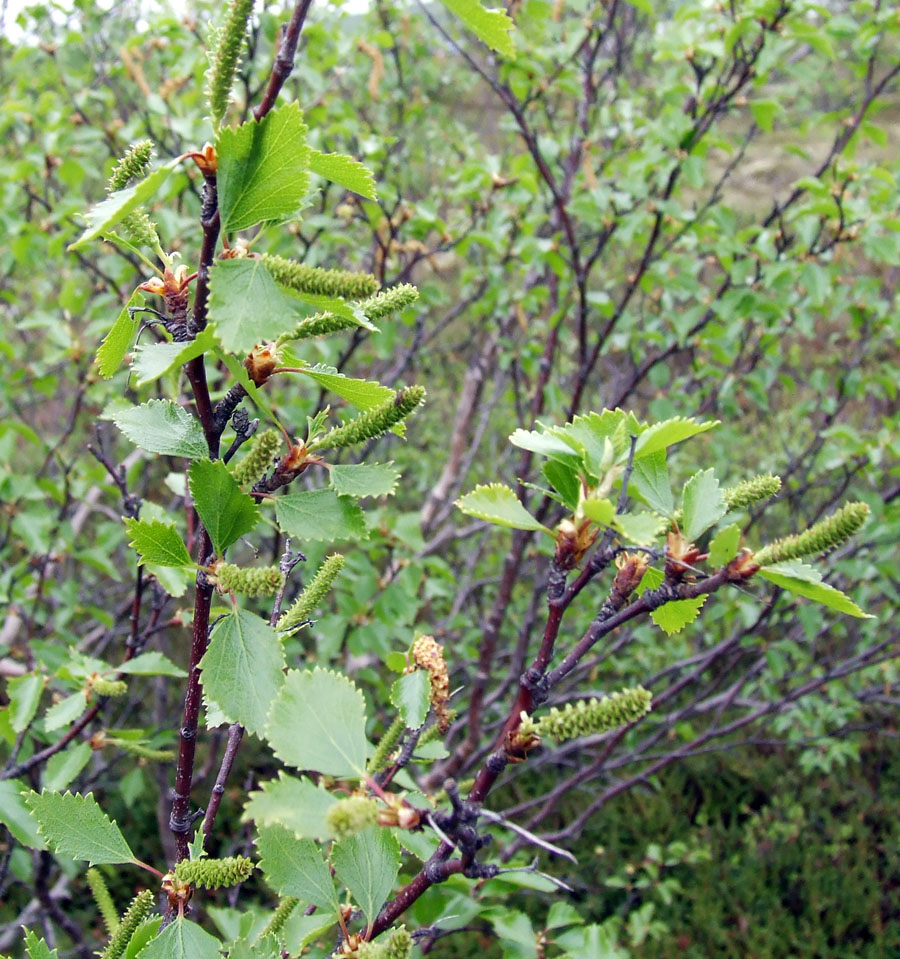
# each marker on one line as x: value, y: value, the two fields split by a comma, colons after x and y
x: 724, y: 546
x: 367, y: 863
x: 363, y: 394
x: 75, y: 826
x: 650, y: 479
x: 38, y: 948
x: 803, y: 580
x: 295, y: 804
x: 320, y: 515
x: 651, y: 579
x: 15, y: 816
x: 151, y: 663
x: 673, y: 617
x: 411, y: 694
x: 144, y: 933
x: 158, y: 543
x: 640, y: 528
x: 668, y: 433
x: 243, y: 669
x: 492, y: 27
x: 116, y: 343
x: 183, y: 939
x: 295, y: 867
x: 24, y: 694
x: 565, y: 480
x: 156, y: 359
x: 263, y: 169
x: 247, y: 306
x: 226, y: 511
x: 546, y: 444
x: 102, y: 217
x: 65, y: 712
x: 498, y: 504
x: 318, y: 722
x: 344, y: 171
x: 365, y: 479
x: 703, y: 504
x: 599, y: 511
x: 161, y: 426
x: 62, y: 768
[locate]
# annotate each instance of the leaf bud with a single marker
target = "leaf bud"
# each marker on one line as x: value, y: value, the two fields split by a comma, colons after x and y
x: 630, y: 571
x: 261, y: 363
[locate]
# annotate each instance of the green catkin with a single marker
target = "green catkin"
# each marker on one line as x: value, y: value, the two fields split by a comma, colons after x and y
x: 257, y: 462
x: 374, y: 308
x: 133, y: 166
x: 214, y: 873
x: 319, y: 281
x: 372, y: 950
x: 590, y: 716
x: 137, y: 912
x: 349, y: 816
x: 251, y: 581
x: 385, y: 747
x: 372, y: 423
x: 751, y: 491
x: 312, y: 596
x: 281, y: 916
x: 399, y: 944
x: 109, y: 687
x: 225, y: 57
x: 819, y: 538
x: 433, y: 731
x: 140, y: 750
x: 103, y: 899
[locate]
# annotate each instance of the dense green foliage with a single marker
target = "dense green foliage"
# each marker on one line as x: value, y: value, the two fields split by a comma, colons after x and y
x: 679, y: 209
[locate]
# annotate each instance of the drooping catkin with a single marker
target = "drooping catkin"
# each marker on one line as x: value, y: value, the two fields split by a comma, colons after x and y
x: 317, y: 280
x: 256, y: 463
x: 225, y: 56
x: 373, y: 422
x: 312, y: 596
x: 136, y: 913
x: 103, y: 899
x: 819, y: 538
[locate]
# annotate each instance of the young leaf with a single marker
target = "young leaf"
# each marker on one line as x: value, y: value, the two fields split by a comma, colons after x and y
x: 498, y: 504
x: 344, y: 171
x: 295, y: 804
x: 62, y: 768
x: 492, y: 27
x: 151, y: 663
x: 367, y: 864
x: 668, y: 433
x: 243, y: 669
x: 411, y: 695
x: 15, y: 816
x: 640, y: 528
x: 650, y: 479
x: 38, y: 948
x: 565, y: 480
x: 24, y: 694
x: 75, y: 826
x: 65, y: 711
x: 226, y: 511
x: 115, y: 345
x: 803, y: 580
x: 183, y: 940
x: 363, y: 394
x: 105, y: 215
x: 599, y: 511
x: 158, y: 543
x: 724, y: 546
x: 295, y: 867
x: 318, y: 721
x: 161, y: 426
x: 702, y: 503
x: 365, y: 479
x: 673, y: 617
x: 545, y: 444
x: 156, y: 359
x: 263, y: 173
x: 320, y: 515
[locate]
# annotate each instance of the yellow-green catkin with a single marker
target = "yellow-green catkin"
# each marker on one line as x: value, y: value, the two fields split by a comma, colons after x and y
x: 136, y: 913
x: 256, y: 463
x: 319, y: 281
x: 133, y: 166
x: 590, y: 716
x: 379, y: 759
x: 214, y: 873
x: 141, y: 750
x: 225, y: 56
x: 399, y: 944
x: 351, y: 815
x: 109, y: 687
x: 312, y: 596
x: 371, y: 950
x: 372, y: 423
x: 250, y: 581
x: 751, y: 491
x: 373, y: 308
x: 819, y: 538
x: 281, y: 916
x: 103, y: 899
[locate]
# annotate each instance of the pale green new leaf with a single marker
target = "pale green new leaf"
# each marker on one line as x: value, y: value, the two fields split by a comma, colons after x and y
x: 318, y: 722
x: 411, y: 694
x: 363, y: 394
x: 599, y: 511
x: 102, y: 217
x: 62, y: 768
x: 295, y: 804
x: 804, y: 580
x: 545, y: 444
x: 295, y: 867
x: 673, y: 617
x: 151, y: 663
x: 650, y: 479
x: 344, y: 171
x: 492, y: 27
x: 263, y: 173
x: 115, y: 345
x: 724, y: 546
x: 225, y: 510
x: 144, y: 933
x: 498, y: 504
x: 367, y: 864
x: 243, y: 669
x: 64, y: 712
x: 158, y: 543
x: 161, y: 426
x: 365, y: 479
x: 183, y: 940
x: 24, y: 694
x: 668, y: 433
x: 75, y: 826
x: 38, y: 948
x: 703, y: 504
x: 640, y: 528
x: 156, y: 359
x: 15, y: 816
x: 320, y: 515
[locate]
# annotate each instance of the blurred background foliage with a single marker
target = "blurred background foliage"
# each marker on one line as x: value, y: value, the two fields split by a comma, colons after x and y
x: 679, y: 208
